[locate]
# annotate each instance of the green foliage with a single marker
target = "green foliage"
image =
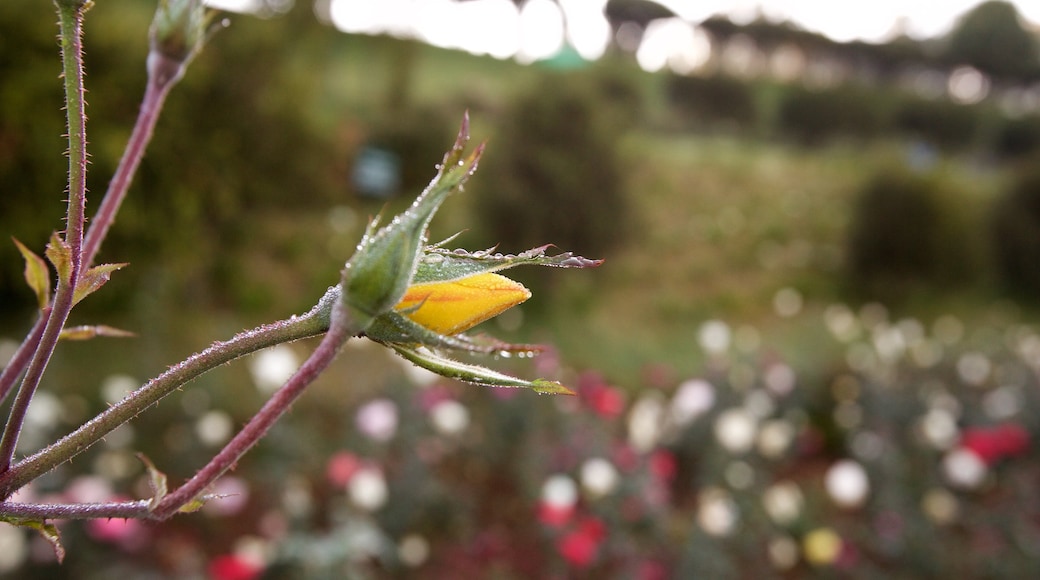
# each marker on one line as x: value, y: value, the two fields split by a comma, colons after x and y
x: 817, y: 116
x: 714, y: 101
x: 557, y: 174
x: 1016, y: 232
x: 416, y: 135
x: 993, y: 39
x: 906, y: 232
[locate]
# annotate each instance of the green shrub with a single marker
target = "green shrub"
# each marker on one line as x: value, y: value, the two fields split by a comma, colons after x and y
x: 715, y: 101
x: 1016, y: 232
x: 557, y: 176
x: 815, y: 117
x: 907, y: 232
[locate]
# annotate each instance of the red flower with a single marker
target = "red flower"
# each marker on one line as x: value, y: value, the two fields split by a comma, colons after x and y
x: 596, y: 394
x: 228, y: 567
x: 581, y: 545
x: 991, y: 444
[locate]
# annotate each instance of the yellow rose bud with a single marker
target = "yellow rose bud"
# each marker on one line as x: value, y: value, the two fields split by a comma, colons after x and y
x: 457, y: 305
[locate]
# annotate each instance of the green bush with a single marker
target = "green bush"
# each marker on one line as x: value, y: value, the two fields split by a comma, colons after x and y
x: 942, y: 123
x: 715, y: 101
x: 557, y: 174
x: 906, y: 232
x: 1016, y: 232
x: 1018, y: 137
x: 815, y: 117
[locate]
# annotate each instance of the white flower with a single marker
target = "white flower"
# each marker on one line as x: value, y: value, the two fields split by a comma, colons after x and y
x: 273, y: 366
x: 367, y: 489
x: 644, y: 423
x: 449, y: 417
x: 559, y: 491
x: 717, y: 513
x: 847, y: 484
x: 964, y: 468
x: 692, y: 399
x: 783, y: 502
x: 598, y: 476
x: 735, y: 429
x: 377, y: 419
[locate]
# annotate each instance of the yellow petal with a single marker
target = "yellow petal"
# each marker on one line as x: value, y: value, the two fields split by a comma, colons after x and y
x: 458, y: 305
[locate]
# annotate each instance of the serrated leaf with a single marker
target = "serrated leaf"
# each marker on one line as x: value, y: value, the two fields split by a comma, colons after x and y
x: 92, y: 279
x: 474, y: 374
x: 156, y: 481
x: 87, y: 332
x: 60, y: 254
x: 48, y: 531
x: 37, y: 274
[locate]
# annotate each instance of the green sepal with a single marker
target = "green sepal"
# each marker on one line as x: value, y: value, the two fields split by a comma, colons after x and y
x: 442, y: 265
x: 477, y: 375
x: 37, y: 274
x: 48, y: 531
x: 156, y: 481
x: 394, y: 327
x: 60, y: 255
x: 380, y: 271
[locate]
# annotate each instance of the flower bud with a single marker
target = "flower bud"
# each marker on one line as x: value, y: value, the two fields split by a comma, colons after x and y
x: 456, y: 306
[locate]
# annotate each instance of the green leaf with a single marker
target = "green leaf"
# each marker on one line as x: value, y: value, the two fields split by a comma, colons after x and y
x: 60, y: 254
x: 48, y: 531
x: 88, y: 332
x: 92, y: 279
x: 478, y: 375
x: 37, y: 274
x: 441, y: 265
x: 156, y: 481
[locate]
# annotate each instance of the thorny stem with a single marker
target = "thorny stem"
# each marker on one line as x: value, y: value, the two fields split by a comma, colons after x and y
x: 71, y: 26
x: 76, y: 511
x: 312, y: 323
x: 338, y: 334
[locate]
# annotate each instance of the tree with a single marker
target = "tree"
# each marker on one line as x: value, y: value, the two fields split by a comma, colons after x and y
x: 993, y: 39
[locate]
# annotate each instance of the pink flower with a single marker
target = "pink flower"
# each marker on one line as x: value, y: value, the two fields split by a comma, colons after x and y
x: 663, y: 465
x: 229, y: 567
x: 992, y: 444
x: 341, y: 467
x: 114, y: 530
x: 554, y: 515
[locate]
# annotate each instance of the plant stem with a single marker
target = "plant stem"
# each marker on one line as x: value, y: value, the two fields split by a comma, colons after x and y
x: 163, y: 74
x: 258, y: 426
x: 70, y: 20
x: 312, y: 323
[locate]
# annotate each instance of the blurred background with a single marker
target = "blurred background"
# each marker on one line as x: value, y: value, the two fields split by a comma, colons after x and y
x: 812, y: 350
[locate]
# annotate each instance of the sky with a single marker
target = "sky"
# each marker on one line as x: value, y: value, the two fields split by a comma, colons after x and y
x: 536, y: 31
